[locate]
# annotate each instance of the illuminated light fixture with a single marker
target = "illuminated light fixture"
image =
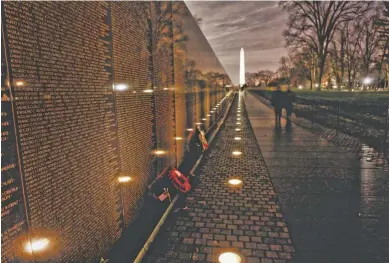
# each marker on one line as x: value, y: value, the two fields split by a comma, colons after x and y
x: 147, y: 90
x: 165, y: 89
x: 19, y: 83
x: 134, y: 91
x: 235, y: 181
x: 230, y: 257
x: 208, y: 115
x: 237, y: 129
x: 237, y: 138
x: 211, y: 111
x: 367, y: 80
x: 190, y: 129
x: 238, y: 119
x: 159, y: 152
x: 36, y: 245
x: 203, y: 119
x: 124, y: 179
x: 178, y: 138
x: 120, y: 87
x: 198, y: 123
x: 238, y: 123
x: 300, y: 87
x: 236, y: 153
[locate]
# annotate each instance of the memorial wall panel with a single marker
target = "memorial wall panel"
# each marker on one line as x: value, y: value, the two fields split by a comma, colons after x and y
x: 133, y: 105
x: 62, y: 91
x: 13, y: 207
x: 180, y: 60
x: 97, y: 87
x: 163, y: 82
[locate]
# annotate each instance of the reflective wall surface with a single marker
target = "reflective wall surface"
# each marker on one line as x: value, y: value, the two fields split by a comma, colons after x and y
x: 92, y: 91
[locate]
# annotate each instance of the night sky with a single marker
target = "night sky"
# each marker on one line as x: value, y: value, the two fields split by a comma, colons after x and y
x: 255, y: 26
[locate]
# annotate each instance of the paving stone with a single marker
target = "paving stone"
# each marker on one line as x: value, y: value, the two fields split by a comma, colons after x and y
x: 247, y: 218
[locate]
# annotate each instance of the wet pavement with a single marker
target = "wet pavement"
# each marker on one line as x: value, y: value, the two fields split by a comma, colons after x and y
x: 217, y: 217
x: 335, y: 200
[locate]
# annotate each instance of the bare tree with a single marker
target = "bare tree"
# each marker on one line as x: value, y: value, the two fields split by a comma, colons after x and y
x: 368, y: 42
x: 383, y: 31
x: 266, y: 76
x: 353, y: 60
x: 285, y: 68
x: 313, y: 24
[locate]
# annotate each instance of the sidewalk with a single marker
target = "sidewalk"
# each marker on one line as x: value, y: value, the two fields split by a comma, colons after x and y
x: 221, y: 218
x: 335, y: 204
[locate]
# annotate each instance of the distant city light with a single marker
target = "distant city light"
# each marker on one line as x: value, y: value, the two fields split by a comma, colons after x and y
x: 237, y: 138
x: 36, y: 245
x: 147, y: 90
x: 367, y: 80
x: 124, y: 179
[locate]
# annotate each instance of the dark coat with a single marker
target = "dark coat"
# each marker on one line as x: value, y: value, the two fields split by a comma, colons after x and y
x: 289, y: 98
x: 277, y: 99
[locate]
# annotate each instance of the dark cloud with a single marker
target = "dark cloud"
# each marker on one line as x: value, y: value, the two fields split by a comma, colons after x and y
x: 255, y: 26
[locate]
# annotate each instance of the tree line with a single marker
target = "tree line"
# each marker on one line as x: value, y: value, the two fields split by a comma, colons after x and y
x: 333, y: 45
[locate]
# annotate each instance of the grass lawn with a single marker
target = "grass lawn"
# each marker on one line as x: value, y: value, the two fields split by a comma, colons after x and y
x: 365, y: 96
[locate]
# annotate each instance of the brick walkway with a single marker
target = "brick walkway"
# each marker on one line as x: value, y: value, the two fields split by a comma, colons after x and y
x: 220, y: 218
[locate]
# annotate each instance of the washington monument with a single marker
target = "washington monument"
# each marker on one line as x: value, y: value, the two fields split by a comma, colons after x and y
x: 242, y: 79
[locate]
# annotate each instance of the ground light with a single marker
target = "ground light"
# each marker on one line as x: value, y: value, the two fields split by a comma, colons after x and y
x: 159, y: 152
x: 36, y: 245
x: 236, y: 153
x: 124, y: 179
x: 120, y: 87
x: 229, y: 257
x: 235, y: 181
x: 237, y: 138
x: 19, y: 83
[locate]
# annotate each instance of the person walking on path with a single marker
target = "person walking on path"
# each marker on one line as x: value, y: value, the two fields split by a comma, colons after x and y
x: 276, y: 102
x: 289, y: 98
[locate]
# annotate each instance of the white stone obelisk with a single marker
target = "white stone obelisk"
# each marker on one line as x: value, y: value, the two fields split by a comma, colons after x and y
x: 242, y: 79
